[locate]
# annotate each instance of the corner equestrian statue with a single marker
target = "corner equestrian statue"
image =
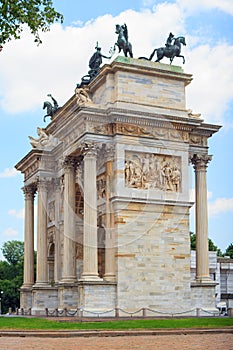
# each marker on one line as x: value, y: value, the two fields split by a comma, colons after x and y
x: 171, y: 50
x: 51, y: 109
x: 122, y: 41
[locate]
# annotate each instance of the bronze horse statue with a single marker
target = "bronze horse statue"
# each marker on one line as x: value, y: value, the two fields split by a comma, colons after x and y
x: 170, y: 51
x: 122, y: 41
x: 51, y: 109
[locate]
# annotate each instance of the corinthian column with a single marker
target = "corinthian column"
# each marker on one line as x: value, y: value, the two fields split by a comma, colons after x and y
x: 29, y: 193
x: 110, y: 274
x: 90, y: 246
x: 42, y: 266
x: 200, y: 162
x: 69, y: 262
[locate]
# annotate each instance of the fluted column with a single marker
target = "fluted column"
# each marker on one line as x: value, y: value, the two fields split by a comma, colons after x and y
x: 200, y: 162
x: 29, y: 193
x: 110, y: 273
x: 69, y: 262
x: 42, y: 254
x: 57, y: 257
x: 90, y: 245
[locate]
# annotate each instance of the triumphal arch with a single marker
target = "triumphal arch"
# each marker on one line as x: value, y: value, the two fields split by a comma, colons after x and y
x: 110, y: 173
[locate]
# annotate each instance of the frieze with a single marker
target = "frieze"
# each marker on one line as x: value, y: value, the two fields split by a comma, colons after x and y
x: 153, y: 171
x: 150, y: 131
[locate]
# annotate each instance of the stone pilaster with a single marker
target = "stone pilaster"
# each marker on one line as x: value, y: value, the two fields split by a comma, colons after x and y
x: 90, y: 245
x: 200, y: 162
x: 42, y: 266
x: 110, y: 273
x: 69, y: 262
x: 29, y: 193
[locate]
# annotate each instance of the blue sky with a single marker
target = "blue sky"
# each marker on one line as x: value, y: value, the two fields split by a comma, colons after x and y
x: 28, y: 73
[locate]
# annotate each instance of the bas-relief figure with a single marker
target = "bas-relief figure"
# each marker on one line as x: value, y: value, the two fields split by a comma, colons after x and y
x: 153, y: 171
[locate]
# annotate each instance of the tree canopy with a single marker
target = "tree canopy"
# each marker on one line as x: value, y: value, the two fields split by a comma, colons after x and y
x: 229, y: 251
x: 212, y: 246
x: 13, y: 251
x: 38, y: 15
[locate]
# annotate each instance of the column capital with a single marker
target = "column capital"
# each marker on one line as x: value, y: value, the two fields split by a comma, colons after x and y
x: 42, y: 183
x: 89, y: 149
x: 200, y: 161
x: 29, y: 191
x: 70, y: 162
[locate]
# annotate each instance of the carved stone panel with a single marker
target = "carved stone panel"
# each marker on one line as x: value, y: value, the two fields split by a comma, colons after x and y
x: 101, y: 186
x: 152, y: 171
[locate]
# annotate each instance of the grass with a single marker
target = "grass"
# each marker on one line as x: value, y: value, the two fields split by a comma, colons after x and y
x: 23, y: 323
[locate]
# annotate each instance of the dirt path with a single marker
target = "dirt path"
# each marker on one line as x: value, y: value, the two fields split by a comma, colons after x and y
x: 158, y: 342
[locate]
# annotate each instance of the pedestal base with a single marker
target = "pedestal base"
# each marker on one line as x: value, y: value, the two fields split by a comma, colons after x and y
x: 97, y: 298
x: 203, y: 297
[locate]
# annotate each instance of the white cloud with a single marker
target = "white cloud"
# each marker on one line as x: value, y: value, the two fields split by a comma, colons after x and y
x: 191, y: 6
x: 18, y: 214
x: 9, y: 232
x: 220, y: 205
x: 9, y: 173
x: 212, y: 88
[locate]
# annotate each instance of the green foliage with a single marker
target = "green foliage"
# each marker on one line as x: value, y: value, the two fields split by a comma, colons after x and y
x: 13, y: 251
x: 229, y: 251
x: 44, y: 324
x: 212, y: 246
x: 11, y: 274
x: 38, y: 15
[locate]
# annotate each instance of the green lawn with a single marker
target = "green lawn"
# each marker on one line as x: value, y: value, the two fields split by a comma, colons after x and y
x: 7, y: 323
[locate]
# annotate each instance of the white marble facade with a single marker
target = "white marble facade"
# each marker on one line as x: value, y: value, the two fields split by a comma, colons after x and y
x: 113, y: 196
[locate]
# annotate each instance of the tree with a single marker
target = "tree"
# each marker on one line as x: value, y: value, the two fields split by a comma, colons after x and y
x: 229, y: 251
x: 38, y: 15
x: 13, y: 251
x: 11, y: 273
x: 212, y: 246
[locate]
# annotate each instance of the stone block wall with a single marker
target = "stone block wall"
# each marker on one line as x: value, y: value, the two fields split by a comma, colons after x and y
x: 153, y: 258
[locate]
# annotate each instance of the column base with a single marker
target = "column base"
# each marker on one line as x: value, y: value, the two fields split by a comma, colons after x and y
x: 68, y: 280
x: 109, y: 277
x: 90, y: 277
x: 27, y: 286
x: 41, y: 285
x: 199, y: 280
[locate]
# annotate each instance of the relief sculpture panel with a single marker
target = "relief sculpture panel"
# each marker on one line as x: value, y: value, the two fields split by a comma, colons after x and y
x: 153, y: 171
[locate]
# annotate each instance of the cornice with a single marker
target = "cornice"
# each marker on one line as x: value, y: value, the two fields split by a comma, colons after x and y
x: 140, y: 66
